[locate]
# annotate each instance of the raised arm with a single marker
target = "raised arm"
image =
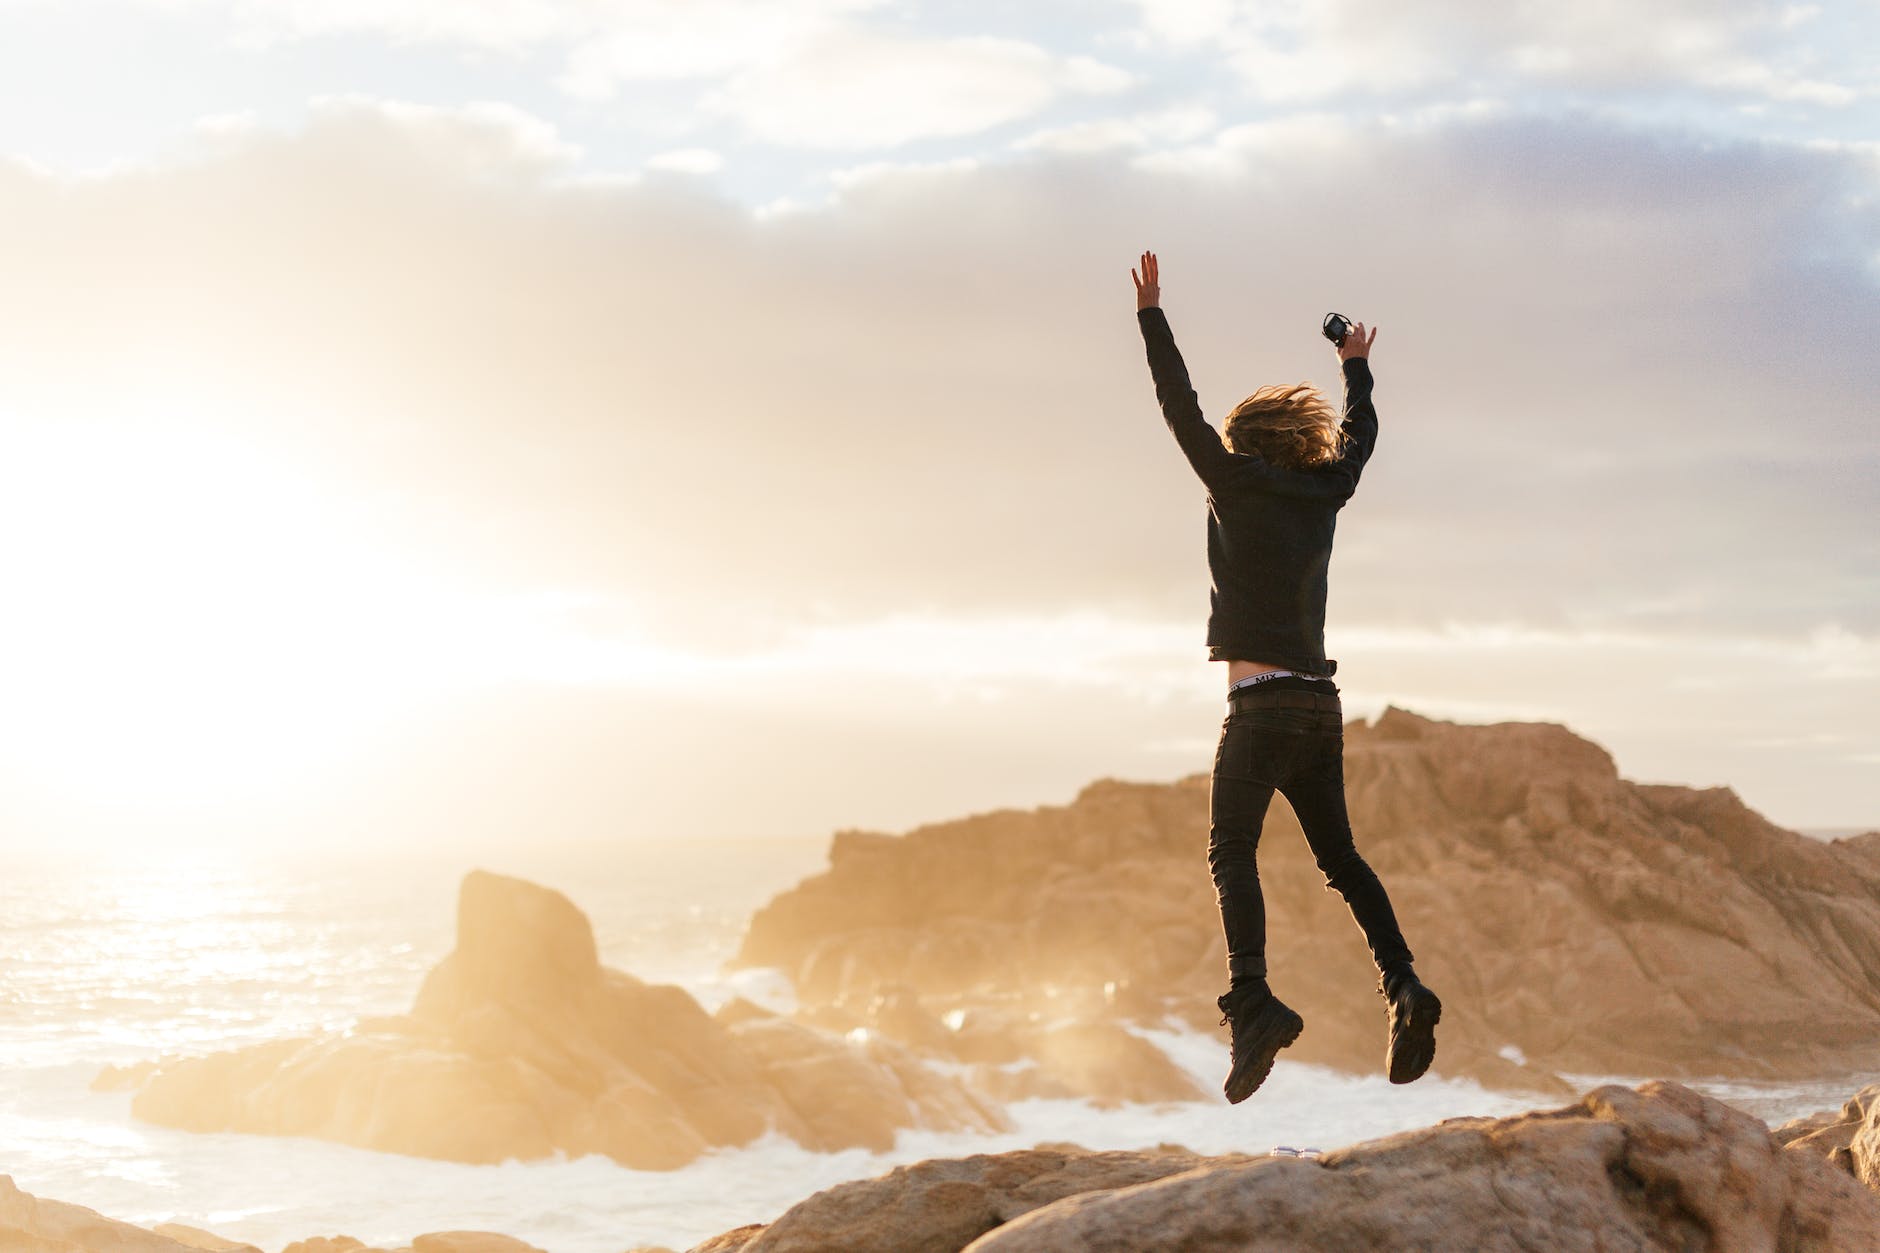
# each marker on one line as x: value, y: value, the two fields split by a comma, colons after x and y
x: 1360, y: 415
x: 1181, y: 409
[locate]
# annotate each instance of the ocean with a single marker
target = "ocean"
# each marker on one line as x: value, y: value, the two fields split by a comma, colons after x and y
x: 121, y: 959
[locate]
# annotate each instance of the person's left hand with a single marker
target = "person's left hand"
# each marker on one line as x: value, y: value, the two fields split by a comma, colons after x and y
x: 1148, y: 283
x: 1357, y: 345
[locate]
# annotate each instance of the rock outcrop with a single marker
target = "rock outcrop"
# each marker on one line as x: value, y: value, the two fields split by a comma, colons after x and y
x: 521, y: 1044
x: 436, y: 1242
x: 942, y: 1206
x: 33, y: 1225
x: 1572, y: 920
x: 30, y: 1224
x: 1659, y: 1167
x: 1656, y: 1167
x: 1848, y: 1137
x: 197, y: 1238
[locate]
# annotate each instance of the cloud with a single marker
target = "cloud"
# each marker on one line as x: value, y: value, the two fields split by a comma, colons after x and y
x: 857, y: 90
x: 663, y: 40
x: 1347, y: 48
x: 1623, y: 375
x: 480, y: 140
x: 819, y: 74
x: 1180, y: 124
x: 687, y: 161
x: 657, y: 38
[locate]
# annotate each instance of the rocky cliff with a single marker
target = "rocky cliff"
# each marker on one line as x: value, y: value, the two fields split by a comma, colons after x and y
x: 1569, y: 917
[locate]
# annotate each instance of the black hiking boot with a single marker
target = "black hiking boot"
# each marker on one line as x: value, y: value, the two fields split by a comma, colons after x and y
x: 1263, y: 1025
x: 1414, y: 1011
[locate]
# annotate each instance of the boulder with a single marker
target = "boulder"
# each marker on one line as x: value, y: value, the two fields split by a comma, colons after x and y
x: 470, y: 1242
x: 941, y: 1206
x: 1570, y: 918
x: 1657, y: 1167
x: 522, y: 1045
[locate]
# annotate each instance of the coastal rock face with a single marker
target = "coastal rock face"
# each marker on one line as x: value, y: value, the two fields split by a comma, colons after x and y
x: 1659, y: 1167
x: 521, y: 1044
x: 32, y: 1225
x: 1572, y: 920
x: 942, y: 1206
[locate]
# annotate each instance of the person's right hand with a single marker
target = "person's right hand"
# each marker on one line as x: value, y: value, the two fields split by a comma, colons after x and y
x: 1148, y: 283
x: 1357, y: 345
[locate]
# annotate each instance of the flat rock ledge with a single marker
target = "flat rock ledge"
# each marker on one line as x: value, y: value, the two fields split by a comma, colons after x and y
x: 1656, y: 1167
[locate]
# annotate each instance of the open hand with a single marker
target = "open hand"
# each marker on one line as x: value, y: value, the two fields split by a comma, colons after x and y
x: 1357, y: 345
x: 1148, y: 283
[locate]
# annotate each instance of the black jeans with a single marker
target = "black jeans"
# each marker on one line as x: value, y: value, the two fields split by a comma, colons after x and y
x: 1288, y: 734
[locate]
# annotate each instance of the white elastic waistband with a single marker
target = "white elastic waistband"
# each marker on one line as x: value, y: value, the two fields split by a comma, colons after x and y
x: 1254, y: 679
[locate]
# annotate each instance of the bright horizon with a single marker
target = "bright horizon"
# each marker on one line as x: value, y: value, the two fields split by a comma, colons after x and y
x: 427, y: 424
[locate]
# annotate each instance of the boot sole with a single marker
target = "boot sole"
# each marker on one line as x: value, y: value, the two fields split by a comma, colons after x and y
x: 1415, y: 1046
x: 1270, y: 1036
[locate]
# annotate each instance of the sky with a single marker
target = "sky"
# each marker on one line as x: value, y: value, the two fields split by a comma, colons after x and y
x: 450, y: 424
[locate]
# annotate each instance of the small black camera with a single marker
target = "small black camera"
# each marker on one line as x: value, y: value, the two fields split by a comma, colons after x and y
x: 1336, y: 326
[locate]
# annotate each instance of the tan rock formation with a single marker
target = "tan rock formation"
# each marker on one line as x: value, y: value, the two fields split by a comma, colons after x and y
x: 942, y: 1206
x: 1569, y: 917
x: 1659, y: 1167
x: 470, y: 1242
x: 32, y: 1225
x: 1848, y: 1137
x: 521, y: 1045
x: 1656, y: 1167
x: 730, y: 1241
x: 197, y: 1238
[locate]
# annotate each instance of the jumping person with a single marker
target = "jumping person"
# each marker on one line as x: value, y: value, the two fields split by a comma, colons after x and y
x: 1276, y: 480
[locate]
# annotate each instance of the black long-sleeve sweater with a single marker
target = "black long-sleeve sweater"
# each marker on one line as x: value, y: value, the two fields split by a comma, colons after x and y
x: 1269, y: 529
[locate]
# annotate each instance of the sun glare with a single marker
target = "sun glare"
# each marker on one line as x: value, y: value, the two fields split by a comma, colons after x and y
x: 191, y: 617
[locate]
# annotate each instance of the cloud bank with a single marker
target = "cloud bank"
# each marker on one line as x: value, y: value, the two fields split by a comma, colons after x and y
x: 1624, y: 379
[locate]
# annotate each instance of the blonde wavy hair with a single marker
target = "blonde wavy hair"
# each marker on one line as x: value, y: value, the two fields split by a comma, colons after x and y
x: 1291, y: 425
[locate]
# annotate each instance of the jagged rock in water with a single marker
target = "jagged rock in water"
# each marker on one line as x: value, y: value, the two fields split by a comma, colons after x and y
x: 1571, y: 920
x: 1659, y: 1167
x: 521, y: 1044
